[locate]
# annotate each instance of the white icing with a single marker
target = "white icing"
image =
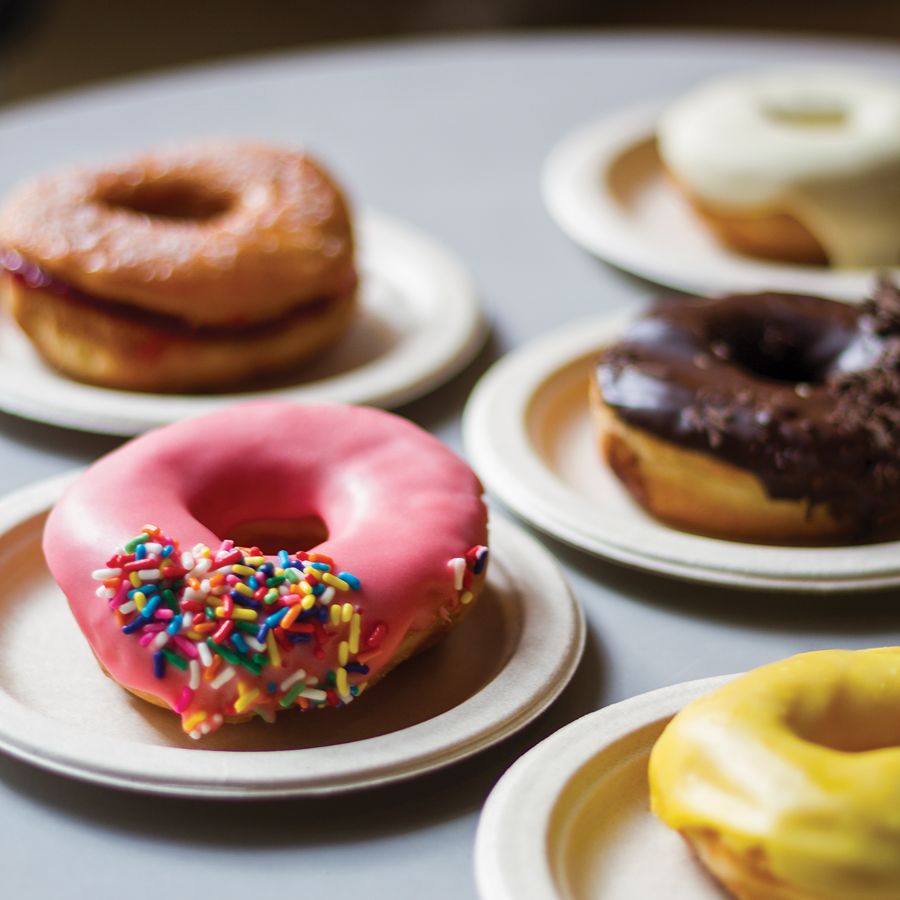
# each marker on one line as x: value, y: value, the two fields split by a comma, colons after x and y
x: 822, y: 145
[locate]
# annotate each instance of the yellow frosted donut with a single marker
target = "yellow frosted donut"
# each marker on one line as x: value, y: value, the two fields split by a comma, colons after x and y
x: 786, y: 781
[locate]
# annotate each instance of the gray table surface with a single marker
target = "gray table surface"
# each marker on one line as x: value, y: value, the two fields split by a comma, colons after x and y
x: 451, y: 136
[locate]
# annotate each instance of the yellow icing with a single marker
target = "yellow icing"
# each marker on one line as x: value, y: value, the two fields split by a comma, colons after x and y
x: 799, y: 759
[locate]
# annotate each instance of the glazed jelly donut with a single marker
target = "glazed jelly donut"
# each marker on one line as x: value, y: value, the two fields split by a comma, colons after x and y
x: 766, y: 417
x: 194, y: 268
x: 786, y: 781
x: 186, y: 612
x: 800, y: 165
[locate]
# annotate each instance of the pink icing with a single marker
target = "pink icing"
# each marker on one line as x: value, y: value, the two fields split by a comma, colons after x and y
x: 398, y: 506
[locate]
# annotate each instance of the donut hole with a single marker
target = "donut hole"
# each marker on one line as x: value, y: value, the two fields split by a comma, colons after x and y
x: 272, y: 535
x: 776, y: 363
x: 849, y: 724
x: 789, y: 352
x: 808, y: 111
x: 178, y: 199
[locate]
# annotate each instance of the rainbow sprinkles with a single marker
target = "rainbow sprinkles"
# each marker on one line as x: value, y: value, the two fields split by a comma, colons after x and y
x: 225, y: 620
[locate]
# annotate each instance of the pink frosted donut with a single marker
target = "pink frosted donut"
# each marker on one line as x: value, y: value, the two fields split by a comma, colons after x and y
x: 187, y: 619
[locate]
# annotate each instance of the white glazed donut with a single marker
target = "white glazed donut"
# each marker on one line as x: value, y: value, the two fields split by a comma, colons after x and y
x: 820, y: 145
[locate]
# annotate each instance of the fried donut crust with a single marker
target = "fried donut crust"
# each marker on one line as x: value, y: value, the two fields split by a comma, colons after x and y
x: 694, y: 492
x: 746, y: 876
x: 769, y: 234
x: 98, y: 346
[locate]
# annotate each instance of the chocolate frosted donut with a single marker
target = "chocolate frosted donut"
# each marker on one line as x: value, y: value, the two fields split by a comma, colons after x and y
x: 766, y: 417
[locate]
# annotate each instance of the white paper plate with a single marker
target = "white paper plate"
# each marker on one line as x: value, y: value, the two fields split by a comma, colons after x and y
x: 495, y: 673
x: 604, y: 186
x: 528, y: 433
x: 571, y: 819
x: 419, y: 323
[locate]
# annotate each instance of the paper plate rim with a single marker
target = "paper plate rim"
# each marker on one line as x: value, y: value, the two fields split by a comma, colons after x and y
x: 448, y: 342
x: 511, y: 841
x: 572, y: 184
x: 520, y: 691
x: 497, y: 442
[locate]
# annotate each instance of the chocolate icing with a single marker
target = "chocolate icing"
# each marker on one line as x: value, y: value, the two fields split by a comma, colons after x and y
x: 801, y: 391
x: 36, y: 277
